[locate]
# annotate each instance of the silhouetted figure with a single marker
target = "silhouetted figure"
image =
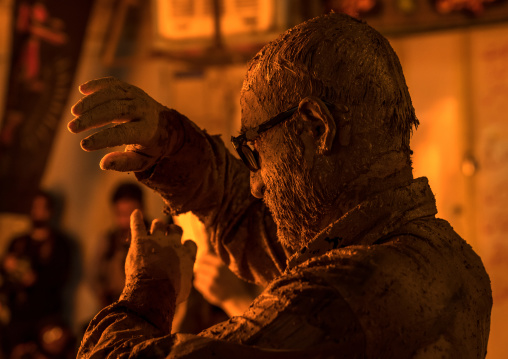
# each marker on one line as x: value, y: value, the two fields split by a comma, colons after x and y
x: 36, y: 270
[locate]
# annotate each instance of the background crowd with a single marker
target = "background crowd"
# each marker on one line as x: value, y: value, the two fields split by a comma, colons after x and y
x: 40, y: 269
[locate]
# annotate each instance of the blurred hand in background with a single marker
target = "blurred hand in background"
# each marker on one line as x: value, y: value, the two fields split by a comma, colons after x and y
x: 221, y: 287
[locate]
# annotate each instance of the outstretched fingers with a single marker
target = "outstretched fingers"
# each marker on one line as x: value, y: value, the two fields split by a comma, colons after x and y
x: 100, y: 97
x: 106, y: 99
x: 126, y: 162
x: 98, y: 84
x: 123, y: 134
x: 107, y: 112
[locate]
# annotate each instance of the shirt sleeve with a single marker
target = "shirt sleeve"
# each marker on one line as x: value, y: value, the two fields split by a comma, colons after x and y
x: 295, y: 317
x: 203, y: 177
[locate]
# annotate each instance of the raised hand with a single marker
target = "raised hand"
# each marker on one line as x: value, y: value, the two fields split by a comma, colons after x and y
x: 158, y: 255
x: 139, y: 119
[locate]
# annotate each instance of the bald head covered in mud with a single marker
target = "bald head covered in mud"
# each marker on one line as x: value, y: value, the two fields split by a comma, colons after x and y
x: 321, y: 209
x: 327, y: 156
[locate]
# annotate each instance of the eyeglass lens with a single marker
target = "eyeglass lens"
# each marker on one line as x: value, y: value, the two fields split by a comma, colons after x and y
x: 250, y: 157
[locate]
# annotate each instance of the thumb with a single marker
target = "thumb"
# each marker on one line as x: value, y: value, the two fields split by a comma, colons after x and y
x: 129, y: 161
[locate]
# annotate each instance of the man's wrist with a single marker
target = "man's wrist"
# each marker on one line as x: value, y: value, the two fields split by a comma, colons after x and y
x: 152, y: 299
x: 178, y: 132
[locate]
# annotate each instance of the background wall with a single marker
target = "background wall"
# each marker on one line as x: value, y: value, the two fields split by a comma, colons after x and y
x: 458, y: 80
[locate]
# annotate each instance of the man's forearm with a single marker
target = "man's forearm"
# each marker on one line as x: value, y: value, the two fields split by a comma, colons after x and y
x: 187, y: 178
x: 153, y: 300
x: 145, y: 310
x: 203, y: 177
x: 115, y: 331
x: 274, y: 327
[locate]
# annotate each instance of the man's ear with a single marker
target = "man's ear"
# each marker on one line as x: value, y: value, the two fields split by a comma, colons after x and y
x: 321, y: 121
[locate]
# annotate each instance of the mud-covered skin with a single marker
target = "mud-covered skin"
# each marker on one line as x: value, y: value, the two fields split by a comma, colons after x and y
x: 370, y: 274
x: 149, y: 129
x: 409, y: 287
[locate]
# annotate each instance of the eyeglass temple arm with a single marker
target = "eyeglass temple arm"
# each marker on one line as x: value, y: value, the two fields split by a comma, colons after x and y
x: 254, y: 132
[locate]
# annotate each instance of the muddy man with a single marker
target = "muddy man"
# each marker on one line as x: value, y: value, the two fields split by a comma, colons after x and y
x: 321, y: 208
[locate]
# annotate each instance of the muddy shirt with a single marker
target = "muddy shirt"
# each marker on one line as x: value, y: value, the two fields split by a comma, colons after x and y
x: 387, y: 280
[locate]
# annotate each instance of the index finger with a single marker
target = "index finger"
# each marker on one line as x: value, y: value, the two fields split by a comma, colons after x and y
x: 98, y: 84
x: 138, y: 228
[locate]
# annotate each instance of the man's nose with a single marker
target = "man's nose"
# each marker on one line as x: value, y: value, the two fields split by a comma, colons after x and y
x: 257, y: 186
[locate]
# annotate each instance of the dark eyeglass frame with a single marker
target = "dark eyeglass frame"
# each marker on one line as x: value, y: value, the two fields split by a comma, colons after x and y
x: 249, y: 156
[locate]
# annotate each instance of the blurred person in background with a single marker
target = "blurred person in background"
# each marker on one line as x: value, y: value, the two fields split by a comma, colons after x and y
x: 108, y: 273
x: 36, y: 270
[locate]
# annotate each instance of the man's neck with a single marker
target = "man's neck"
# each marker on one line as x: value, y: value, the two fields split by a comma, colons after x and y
x: 360, y: 190
x: 343, y: 189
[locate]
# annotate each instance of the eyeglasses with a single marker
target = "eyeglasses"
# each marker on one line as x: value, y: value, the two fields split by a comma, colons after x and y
x: 249, y: 155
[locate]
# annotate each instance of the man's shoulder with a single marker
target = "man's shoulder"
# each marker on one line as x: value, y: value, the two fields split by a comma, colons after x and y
x: 425, y: 278
x: 432, y: 237
x: 423, y: 262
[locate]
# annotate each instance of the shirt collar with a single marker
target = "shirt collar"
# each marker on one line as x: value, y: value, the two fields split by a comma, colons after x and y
x: 372, y: 220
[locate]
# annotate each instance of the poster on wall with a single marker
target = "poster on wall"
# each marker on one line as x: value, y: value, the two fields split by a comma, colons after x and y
x: 46, y: 42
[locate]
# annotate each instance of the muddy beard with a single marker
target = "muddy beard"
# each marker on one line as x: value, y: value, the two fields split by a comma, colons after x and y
x: 296, y: 200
